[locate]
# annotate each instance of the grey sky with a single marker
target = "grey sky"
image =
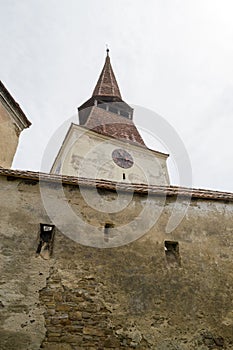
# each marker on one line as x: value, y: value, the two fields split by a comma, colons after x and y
x: 173, y: 57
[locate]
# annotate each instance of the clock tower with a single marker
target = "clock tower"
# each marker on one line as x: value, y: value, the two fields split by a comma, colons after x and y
x: 106, y: 144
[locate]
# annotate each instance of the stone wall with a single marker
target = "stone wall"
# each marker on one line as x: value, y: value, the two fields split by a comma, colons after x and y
x: 9, y: 138
x: 135, y: 296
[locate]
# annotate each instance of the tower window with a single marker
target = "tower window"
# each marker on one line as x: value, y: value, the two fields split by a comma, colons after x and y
x: 172, y: 252
x: 112, y: 109
x: 123, y: 176
x: 107, y: 229
x: 125, y: 114
x: 45, y: 245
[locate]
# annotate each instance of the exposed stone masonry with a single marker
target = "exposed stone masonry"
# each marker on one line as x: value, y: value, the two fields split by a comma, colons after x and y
x: 78, y: 319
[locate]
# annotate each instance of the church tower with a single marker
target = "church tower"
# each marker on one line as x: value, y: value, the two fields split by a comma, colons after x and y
x: 106, y: 144
x: 117, y: 121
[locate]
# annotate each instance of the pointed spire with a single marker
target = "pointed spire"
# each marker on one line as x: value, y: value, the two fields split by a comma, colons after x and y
x: 107, y: 84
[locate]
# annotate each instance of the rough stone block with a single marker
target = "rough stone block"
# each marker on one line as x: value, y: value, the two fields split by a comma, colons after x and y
x: 93, y: 331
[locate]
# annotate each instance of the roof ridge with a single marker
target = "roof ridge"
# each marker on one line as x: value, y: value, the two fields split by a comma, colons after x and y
x: 127, y: 187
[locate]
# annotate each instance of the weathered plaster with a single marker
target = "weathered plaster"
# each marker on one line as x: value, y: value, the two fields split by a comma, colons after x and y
x: 9, y: 138
x: 121, y: 298
x: 88, y: 154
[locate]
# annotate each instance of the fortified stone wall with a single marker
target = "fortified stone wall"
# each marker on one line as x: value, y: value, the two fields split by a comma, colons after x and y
x: 137, y: 296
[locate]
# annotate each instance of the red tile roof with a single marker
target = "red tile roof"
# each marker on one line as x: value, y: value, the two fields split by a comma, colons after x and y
x: 114, y: 125
x: 169, y: 191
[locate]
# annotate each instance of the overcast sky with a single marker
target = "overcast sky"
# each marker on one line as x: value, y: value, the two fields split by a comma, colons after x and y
x: 174, y: 57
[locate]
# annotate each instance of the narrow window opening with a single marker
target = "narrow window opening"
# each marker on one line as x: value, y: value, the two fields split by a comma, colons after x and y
x: 45, y: 245
x: 172, y: 252
x: 123, y: 176
x: 107, y: 231
x: 125, y: 114
x: 112, y: 109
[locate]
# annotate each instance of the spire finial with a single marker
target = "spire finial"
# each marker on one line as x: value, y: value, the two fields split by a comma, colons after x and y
x: 107, y: 49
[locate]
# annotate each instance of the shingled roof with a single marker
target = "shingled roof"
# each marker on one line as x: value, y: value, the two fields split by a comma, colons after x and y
x: 107, y: 84
x: 106, y: 113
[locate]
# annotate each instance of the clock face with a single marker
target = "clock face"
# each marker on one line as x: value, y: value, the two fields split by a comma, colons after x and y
x: 122, y: 158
